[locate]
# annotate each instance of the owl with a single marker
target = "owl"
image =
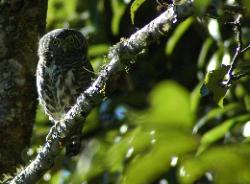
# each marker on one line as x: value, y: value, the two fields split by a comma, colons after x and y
x: 63, y: 71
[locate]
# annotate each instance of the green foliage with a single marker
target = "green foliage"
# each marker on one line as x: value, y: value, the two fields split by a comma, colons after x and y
x: 230, y: 163
x: 217, y: 133
x: 118, y: 8
x: 213, y: 85
x: 134, y: 7
x: 178, y: 102
x: 201, y: 5
x: 159, y: 124
x: 179, y: 31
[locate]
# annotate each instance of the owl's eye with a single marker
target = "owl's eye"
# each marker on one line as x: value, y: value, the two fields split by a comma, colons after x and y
x: 56, y: 42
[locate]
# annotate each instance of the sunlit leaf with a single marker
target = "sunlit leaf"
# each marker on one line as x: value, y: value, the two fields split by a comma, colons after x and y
x: 246, y: 4
x: 134, y: 7
x: 195, y: 98
x: 204, y: 52
x: 167, y: 100
x: 91, y: 162
x: 213, y: 85
x: 59, y: 9
x: 97, y: 50
x: 220, y: 131
x: 201, y: 5
x: 215, y: 61
x: 136, y: 141
x: 147, y: 167
x: 214, y: 29
x: 118, y: 8
x: 61, y: 176
x: 222, y: 162
x: 41, y: 117
x: 217, y: 113
x: 179, y: 31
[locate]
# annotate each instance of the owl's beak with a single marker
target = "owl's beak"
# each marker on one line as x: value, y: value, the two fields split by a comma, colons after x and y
x: 67, y: 47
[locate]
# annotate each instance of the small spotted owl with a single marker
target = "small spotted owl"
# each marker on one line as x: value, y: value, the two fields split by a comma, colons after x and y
x: 63, y: 71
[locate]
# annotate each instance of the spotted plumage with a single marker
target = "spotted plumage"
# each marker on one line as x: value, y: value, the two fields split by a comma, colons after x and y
x: 63, y: 71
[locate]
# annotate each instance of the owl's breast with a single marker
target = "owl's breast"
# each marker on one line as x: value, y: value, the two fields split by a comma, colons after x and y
x: 60, y: 85
x: 55, y: 88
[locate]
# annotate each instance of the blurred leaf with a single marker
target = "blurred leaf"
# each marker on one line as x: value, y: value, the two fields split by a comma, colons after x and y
x: 216, y: 113
x: 220, y: 131
x: 97, y: 50
x: 60, y: 177
x: 134, y: 7
x: 222, y: 162
x: 201, y: 6
x: 118, y: 8
x: 214, y: 29
x: 178, y: 33
x: 195, y: 98
x: 247, y: 102
x: 134, y: 142
x: 41, y: 117
x: 167, y: 100
x: 246, y: 4
x: 91, y: 122
x: 213, y: 85
x: 91, y: 162
x: 59, y: 9
x: 204, y: 52
x: 215, y: 61
x: 147, y: 167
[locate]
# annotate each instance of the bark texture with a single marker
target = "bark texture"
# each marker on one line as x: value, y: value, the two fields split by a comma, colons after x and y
x: 21, y: 24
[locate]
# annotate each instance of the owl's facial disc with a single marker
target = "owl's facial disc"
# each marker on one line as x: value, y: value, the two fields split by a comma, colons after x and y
x: 63, y: 43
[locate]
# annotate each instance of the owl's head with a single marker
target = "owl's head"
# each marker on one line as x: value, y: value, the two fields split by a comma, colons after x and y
x: 63, y: 43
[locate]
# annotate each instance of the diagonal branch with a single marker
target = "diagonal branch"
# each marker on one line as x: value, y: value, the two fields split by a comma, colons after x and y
x: 121, y: 55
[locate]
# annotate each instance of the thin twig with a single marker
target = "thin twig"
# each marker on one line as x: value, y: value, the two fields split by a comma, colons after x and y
x: 238, y: 31
x: 238, y: 76
x: 245, y: 49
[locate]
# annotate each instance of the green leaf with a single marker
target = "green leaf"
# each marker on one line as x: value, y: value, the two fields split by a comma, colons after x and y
x: 134, y: 7
x: 215, y: 61
x: 134, y: 142
x: 148, y: 166
x: 41, y: 117
x: 226, y: 164
x: 98, y: 49
x: 61, y: 10
x: 217, y: 113
x: 195, y: 98
x: 201, y: 5
x: 178, y: 33
x: 246, y: 5
x: 220, y: 131
x: 204, y: 53
x: 214, y: 29
x: 118, y: 8
x: 92, y: 161
x: 168, y: 99
x: 213, y: 85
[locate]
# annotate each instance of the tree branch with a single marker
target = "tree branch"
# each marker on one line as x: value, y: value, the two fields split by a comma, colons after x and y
x: 121, y: 55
